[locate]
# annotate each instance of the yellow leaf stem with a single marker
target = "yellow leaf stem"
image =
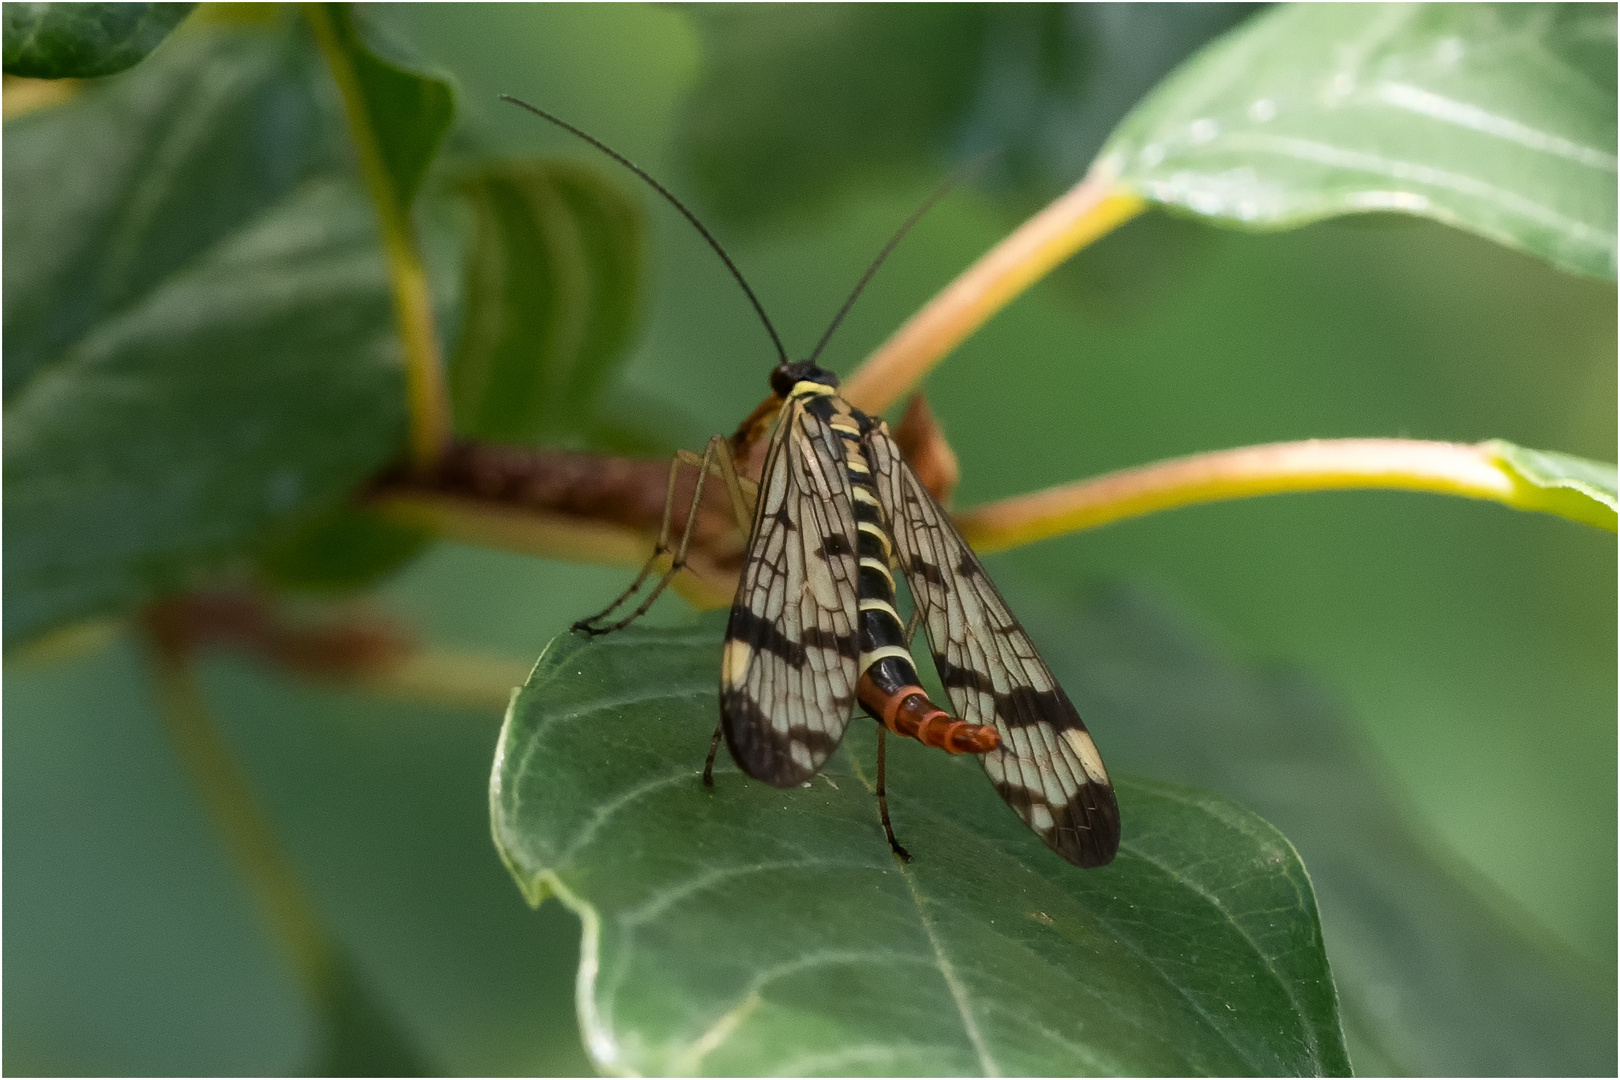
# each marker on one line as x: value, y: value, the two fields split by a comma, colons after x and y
x: 1089, y: 210
x: 1313, y: 465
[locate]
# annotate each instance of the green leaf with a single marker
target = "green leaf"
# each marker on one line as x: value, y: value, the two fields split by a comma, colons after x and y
x: 1499, y: 119
x: 554, y: 284
x: 750, y: 930
x: 1562, y: 483
x: 195, y: 338
x: 405, y: 112
x: 1434, y: 977
x: 200, y: 342
x: 186, y: 150
x: 81, y: 41
x: 257, y: 383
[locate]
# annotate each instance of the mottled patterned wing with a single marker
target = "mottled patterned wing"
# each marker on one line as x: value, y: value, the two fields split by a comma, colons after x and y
x: 787, y: 681
x: 1047, y: 768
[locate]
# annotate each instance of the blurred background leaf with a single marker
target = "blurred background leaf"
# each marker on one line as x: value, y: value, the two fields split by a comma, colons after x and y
x: 254, y: 384
x: 81, y: 41
x: 554, y: 286
x: 405, y: 113
x: 1437, y: 975
x: 743, y: 929
x: 799, y: 103
x: 1499, y: 119
x: 342, y: 551
x: 155, y: 307
x: 201, y: 347
x: 223, y: 126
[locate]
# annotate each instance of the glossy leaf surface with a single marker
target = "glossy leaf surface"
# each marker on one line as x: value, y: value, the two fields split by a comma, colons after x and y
x: 751, y: 930
x: 1496, y: 118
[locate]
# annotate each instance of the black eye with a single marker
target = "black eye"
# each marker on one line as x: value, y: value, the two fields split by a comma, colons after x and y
x: 782, y: 380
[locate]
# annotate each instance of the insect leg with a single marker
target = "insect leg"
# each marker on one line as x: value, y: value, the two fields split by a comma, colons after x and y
x: 744, y: 492
x: 708, y: 764
x: 883, y: 803
x: 716, y: 450
x: 588, y: 626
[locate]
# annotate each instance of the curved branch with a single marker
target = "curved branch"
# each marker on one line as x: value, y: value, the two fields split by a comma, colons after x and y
x: 1476, y: 472
x: 1092, y: 208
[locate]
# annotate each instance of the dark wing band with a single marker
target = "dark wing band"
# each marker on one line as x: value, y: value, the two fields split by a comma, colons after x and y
x: 1047, y: 769
x: 787, y: 678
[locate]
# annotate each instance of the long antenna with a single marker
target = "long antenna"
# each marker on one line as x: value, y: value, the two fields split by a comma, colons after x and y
x: 677, y: 204
x: 939, y: 193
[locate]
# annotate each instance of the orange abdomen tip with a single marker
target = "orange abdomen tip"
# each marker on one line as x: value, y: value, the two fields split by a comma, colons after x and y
x: 909, y: 713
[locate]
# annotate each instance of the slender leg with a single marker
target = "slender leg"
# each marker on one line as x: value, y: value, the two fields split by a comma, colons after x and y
x: 708, y: 764
x: 744, y: 494
x: 883, y: 803
x: 588, y: 626
x: 716, y: 450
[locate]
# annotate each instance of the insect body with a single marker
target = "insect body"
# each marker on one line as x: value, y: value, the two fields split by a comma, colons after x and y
x: 814, y: 628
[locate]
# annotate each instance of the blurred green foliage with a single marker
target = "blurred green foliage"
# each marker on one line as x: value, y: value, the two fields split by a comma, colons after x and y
x: 554, y: 286
x: 1473, y: 649
x: 196, y: 319
x: 83, y: 41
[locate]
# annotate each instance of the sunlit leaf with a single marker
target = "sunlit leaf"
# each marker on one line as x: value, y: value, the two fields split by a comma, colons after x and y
x: 553, y: 290
x: 81, y: 41
x: 1496, y: 118
x: 750, y: 930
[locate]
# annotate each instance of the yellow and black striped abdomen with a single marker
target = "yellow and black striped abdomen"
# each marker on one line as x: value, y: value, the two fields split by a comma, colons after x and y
x: 884, y: 657
x: 888, y: 687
